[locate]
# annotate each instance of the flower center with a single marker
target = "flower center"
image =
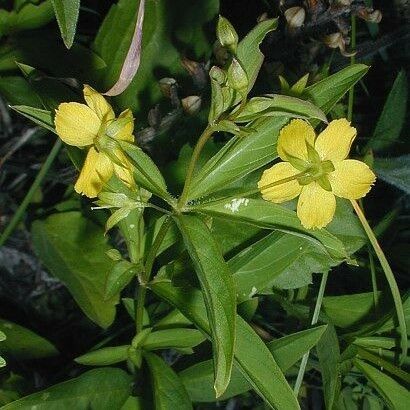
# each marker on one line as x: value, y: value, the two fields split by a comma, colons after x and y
x: 315, y: 169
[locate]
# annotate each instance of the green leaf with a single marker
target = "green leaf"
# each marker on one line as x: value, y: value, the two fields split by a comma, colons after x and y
x: 74, y: 250
x: 347, y: 310
x: 393, y: 116
x: 28, y: 17
x: 17, y: 91
x: 279, y: 105
x: 104, y: 357
x: 394, y: 171
x: 279, y: 260
x: 289, y: 349
x: 67, y: 12
x: 173, y: 339
x: 329, y: 358
x: 396, y: 396
x: 327, y: 92
x: 248, y: 52
x: 241, y: 156
x: 24, y: 344
x: 119, y: 277
x: 198, y: 380
x: 146, y: 173
x: 219, y: 292
x: 267, y: 215
x: 98, y: 389
x: 251, y: 355
x: 37, y: 115
x: 286, y: 351
x: 169, y: 392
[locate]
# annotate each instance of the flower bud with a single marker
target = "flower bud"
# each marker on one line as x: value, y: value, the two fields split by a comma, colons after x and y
x: 227, y: 35
x: 237, y: 77
x: 165, y: 84
x: 217, y: 75
x: 336, y: 40
x: 191, y: 104
x: 295, y: 17
x: 197, y: 71
x: 369, y: 15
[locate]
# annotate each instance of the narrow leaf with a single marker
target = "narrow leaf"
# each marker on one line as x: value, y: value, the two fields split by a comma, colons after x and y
x: 105, y: 356
x: 67, y: 12
x: 393, y: 116
x: 272, y: 216
x: 217, y: 285
x: 102, y: 389
x: 169, y: 392
x: 22, y: 343
x: 251, y: 355
x: 37, y: 115
x: 396, y: 396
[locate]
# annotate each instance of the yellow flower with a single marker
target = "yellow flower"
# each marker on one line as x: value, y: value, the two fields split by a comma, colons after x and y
x: 94, y: 126
x: 320, y: 169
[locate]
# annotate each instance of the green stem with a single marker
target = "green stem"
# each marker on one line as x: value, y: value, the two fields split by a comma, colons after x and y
x: 315, y: 319
x: 15, y: 220
x: 206, y: 135
x: 389, y: 277
x: 352, y: 61
x: 374, y: 279
x: 146, y: 275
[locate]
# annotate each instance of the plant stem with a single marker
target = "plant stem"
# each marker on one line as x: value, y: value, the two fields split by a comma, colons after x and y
x: 15, y: 220
x: 389, y: 277
x: 146, y: 275
x: 352, y: 61
x: 209, y: 130
x: 315, y: 319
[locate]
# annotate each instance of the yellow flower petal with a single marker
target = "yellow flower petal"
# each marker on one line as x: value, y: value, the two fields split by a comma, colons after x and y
x: 125, y: 172
x: 351, y: 179
x: 125, y: 134
x: 283, y: 192
x: 335, y: 141
x: 293, y: 137
x: 316, y: 207
x: 76, y: 124
x: 96, y: 170
x: 98, y: 104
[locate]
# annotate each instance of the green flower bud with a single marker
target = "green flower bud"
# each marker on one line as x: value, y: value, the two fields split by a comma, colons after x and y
x: 227, y: 35
x: 237, y: 77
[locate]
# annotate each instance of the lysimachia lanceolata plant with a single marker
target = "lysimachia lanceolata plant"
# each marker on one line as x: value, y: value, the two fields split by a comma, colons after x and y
x: 271, y: 155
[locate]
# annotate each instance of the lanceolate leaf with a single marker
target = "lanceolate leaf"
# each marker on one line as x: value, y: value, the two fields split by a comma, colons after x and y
x: 102, y: 389
x: 169, y: 392
x: 329, y: 358
x: 327, y: 92
x: 22, y: 343
x: 251, y: 355
x: 73, y: 249
x: 242, y: 156
x: 67, y: 15
x: 146, y: 172
x: 271, y: 216
x: 397, y: 397
x: 393, y: 116
x: 394, y: 171
x: 287, y: 351
x: 220, y: 296
x: 248, y: 52
x: 37, y: 115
